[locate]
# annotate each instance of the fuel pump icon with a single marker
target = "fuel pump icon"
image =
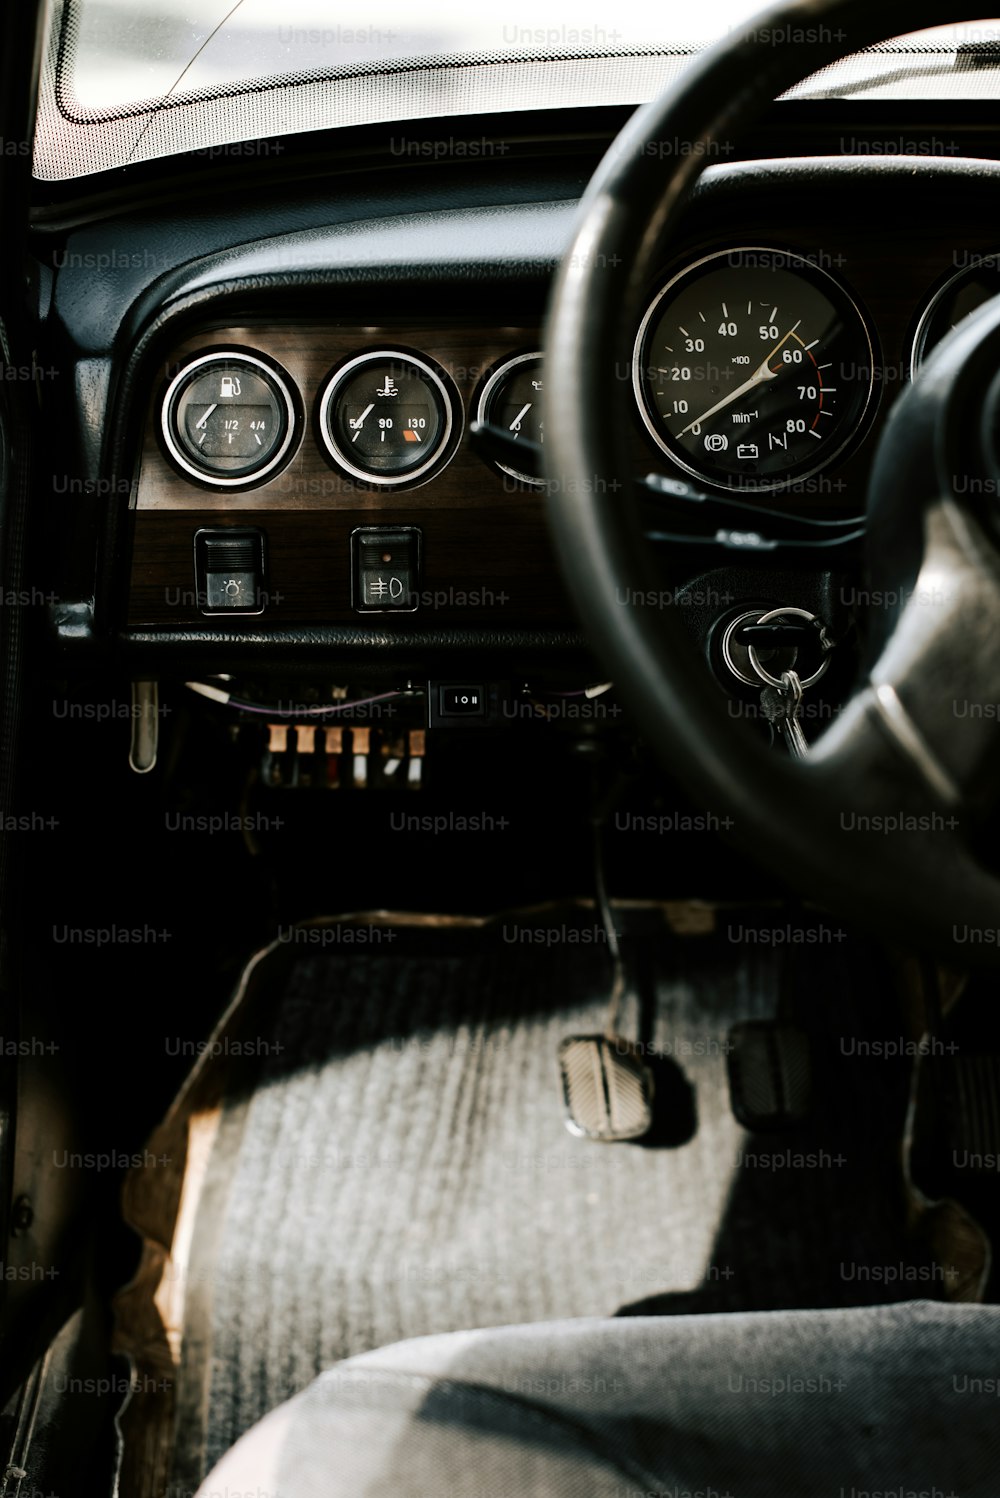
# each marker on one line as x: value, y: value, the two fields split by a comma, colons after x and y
x: 229, y: 386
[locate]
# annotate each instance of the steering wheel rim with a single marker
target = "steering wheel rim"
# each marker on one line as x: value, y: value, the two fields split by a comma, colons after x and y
x: 800, y: 818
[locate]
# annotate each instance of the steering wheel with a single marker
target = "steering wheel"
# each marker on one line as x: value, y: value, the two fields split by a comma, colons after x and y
x: 887, y: 818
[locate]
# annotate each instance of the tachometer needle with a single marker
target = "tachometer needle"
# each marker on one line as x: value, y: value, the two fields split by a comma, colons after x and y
x: 201, y: 423
x: 761, y: 373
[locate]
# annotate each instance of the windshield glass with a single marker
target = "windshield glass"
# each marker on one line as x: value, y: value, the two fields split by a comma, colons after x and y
x: 128, y: 50
x: 126, y: 80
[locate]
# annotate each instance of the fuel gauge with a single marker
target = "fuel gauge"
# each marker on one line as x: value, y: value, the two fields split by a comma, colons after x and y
x: 228, y: 419
x: 386, y: 418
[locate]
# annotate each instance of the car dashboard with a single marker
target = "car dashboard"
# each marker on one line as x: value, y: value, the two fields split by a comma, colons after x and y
x: 429, y: 284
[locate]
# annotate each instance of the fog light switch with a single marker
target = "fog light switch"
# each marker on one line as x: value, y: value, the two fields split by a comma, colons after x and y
x: 385, y: 569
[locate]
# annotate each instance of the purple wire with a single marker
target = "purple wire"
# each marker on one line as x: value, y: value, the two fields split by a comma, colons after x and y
x: 339, y: 707
x: 305, y: 712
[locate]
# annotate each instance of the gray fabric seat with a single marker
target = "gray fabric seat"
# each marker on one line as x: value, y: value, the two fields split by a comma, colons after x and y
x: 899, y: 1399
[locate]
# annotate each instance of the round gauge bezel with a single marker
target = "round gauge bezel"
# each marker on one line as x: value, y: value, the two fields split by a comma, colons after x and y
x: 790, y: 260
x: 274, y: 373
x: 934, y: 301
x: 487, y: 392
x: 445, y: 447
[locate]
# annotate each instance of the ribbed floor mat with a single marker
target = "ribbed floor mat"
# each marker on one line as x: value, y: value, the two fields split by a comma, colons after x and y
x: 395, y: 1161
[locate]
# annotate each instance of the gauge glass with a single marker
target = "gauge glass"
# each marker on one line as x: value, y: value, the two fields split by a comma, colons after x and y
x: 228, y: 418
x: 386, y: 417
x: 753, y: 368
x: 962, y: 293
x: 511, y: 401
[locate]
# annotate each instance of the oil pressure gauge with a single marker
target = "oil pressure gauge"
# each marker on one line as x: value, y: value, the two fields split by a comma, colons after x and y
x: 511, y: 401
x: 228, y: 419
x: 387, y: 418
x: 961, y: 294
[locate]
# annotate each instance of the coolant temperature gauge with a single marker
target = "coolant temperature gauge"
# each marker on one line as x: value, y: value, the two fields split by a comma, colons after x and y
x: 386, y: 418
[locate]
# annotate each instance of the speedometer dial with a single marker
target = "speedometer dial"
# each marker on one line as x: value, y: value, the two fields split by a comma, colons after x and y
x: 753, y: 368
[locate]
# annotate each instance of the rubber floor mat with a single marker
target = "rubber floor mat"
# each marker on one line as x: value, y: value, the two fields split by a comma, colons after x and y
x: 391, y: 1158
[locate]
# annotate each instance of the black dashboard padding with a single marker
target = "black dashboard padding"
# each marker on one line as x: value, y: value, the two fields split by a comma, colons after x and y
x: 367, y: 652
x: 94, y: 300
x: 105, y: 272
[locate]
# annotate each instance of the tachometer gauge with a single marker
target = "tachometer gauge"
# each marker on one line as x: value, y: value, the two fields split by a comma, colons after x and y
x: 753, y: 368
x: 963, y: 292
x: 229, y: 419
x: 386, y: 418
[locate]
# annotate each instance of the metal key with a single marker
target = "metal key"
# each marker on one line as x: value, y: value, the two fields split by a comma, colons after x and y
x: 780, y: 706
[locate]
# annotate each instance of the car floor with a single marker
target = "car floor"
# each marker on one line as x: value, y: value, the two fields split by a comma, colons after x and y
x: 377, y: 1150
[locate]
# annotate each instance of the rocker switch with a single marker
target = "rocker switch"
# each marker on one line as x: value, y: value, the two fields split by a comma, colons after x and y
x: 385, y: 569
x: 229, y: 571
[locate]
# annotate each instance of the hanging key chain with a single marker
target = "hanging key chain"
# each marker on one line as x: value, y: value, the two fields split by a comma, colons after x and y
x: 781, y: 698
x: 781, y: 706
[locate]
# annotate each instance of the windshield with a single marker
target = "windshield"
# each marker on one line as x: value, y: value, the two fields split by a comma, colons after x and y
x: 128, y: 50
x: 127, y: 80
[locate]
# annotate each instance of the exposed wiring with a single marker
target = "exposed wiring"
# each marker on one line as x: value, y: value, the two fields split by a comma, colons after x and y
x: 596, y: 691
x: 216, y: 694
x: 226, y: 699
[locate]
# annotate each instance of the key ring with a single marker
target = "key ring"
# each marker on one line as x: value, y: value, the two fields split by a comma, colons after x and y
x: 776, y: 681
x: 791, y: 685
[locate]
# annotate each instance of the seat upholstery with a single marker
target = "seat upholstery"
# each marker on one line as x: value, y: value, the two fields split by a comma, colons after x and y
x: 899, y: 1399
